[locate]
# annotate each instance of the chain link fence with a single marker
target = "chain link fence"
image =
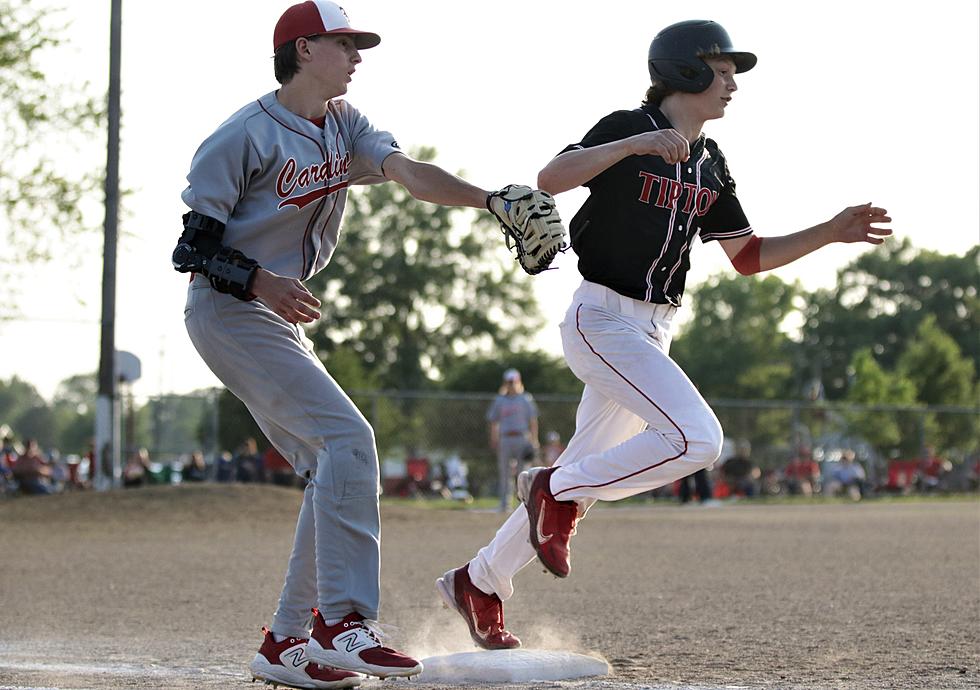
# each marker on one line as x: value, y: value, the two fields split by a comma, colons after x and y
x: 438, y: 425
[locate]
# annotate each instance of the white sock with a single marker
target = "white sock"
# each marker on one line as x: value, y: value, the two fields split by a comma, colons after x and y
x: 333, y: 621
x: 277, y: 637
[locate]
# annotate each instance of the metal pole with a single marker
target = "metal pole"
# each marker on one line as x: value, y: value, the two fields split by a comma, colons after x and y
x: 106, y: 434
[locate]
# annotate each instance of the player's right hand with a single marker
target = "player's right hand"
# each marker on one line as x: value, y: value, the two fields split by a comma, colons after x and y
x: 288, y: 297
x: 669, y: 144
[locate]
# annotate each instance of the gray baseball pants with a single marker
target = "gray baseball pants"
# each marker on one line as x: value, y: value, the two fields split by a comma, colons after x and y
x: 270, y: 366
x: 509, y: 452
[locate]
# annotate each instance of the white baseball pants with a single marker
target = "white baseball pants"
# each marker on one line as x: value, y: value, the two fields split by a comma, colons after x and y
x: 641, y: 423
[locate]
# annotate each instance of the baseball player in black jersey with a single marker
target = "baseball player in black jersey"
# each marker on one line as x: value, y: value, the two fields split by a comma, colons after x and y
x: 656, y: 184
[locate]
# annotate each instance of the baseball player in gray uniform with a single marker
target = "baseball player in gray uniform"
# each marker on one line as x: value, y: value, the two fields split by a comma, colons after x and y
x: 266, y: 193
x: 513, y: 420
x: 656, y: 184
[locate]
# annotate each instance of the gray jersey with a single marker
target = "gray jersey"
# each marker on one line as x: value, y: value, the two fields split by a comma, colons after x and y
x: 513, y: 412
x: 279, y: 182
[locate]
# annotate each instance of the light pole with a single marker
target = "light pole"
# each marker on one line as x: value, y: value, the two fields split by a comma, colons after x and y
x: 106, y: 416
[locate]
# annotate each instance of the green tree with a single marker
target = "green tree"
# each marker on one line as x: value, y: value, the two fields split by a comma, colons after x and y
x: 935, y: 363
x: 412, y: 287
x: 235, y: 424
x: 943, y: 376
x: 172, y: 425
x: 734, y: 346
x: 73, y: 406
x: 541, y: 373
x: 879, y: 302
x: 17, y: 397
x: 41, y: 120
x: 38, y: 422
x: 872, y: 385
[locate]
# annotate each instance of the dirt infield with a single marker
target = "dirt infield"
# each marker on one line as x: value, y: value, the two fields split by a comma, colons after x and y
x: 168, y: 588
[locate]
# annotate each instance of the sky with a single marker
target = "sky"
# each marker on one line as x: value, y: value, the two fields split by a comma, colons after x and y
x: 850, y: 102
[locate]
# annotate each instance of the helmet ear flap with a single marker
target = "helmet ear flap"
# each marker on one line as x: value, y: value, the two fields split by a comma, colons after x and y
x: 689, y: 76
x: 688, y: 72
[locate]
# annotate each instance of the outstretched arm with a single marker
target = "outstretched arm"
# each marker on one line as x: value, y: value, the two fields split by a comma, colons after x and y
x: 753, y: 254
x: 428, y: 182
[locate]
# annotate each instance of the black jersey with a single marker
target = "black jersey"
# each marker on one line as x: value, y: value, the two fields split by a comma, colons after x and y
x: 634, y: 232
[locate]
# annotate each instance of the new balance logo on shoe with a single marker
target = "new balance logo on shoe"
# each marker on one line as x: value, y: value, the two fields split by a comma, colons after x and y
x: 286, y: 663
x: 295, y: 656
x: 352, y: 641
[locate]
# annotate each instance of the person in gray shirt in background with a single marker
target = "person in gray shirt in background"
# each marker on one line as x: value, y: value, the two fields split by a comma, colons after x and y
x: 513, y: 420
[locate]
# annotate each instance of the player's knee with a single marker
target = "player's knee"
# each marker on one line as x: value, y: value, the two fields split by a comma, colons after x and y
x: 705, y: 440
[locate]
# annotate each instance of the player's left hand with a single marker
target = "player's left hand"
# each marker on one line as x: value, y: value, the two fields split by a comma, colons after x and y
x: 857, y: 224
x: 287, y: 297
x: 531, y: 225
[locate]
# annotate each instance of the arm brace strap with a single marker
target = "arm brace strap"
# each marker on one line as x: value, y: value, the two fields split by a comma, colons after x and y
x: 199, y: 250
x: 748, y: 259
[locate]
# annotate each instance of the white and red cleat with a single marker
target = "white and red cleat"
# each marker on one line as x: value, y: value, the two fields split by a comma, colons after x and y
x: 355, y: 644
x: 483, y: 613
x: 286, y: 663
x: 551, y: 522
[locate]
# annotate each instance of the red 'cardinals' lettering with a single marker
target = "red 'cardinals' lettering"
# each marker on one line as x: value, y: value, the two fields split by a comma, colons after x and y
x: 288, y: 179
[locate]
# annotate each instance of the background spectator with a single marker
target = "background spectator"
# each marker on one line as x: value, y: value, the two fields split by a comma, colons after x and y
x: 136, y: 472
x: 31, y: 471
x: 847, y: 477
x: 932, y: 470
x: 195, y: 469
x: 224, y: 467
x: 8, y: 456
x: 552, y: 448
x: 702, y: 486
x: 248, y: 463
x: 277, y: 469
x: 739, y: 473
x: 802, y: 474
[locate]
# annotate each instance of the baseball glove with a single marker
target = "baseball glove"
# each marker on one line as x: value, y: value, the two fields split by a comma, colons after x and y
x: 530, y: 222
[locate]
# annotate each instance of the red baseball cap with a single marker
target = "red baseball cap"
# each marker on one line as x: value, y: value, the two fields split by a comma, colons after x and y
x: 316, y: 18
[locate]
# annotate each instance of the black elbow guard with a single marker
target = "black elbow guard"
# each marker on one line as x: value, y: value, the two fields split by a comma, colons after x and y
x: 200, y: 241
x: 199, y: 250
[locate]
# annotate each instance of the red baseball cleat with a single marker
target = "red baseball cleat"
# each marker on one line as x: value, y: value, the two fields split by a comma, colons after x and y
x: 354, y: 644
x: 552, y: 522
x: 286, y: 663
x: 483, y: 613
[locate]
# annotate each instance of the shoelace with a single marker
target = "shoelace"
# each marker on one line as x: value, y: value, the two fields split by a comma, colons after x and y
x: 378, y: 632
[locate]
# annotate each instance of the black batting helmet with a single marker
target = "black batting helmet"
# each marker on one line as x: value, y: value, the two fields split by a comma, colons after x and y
x: 675, y: 57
